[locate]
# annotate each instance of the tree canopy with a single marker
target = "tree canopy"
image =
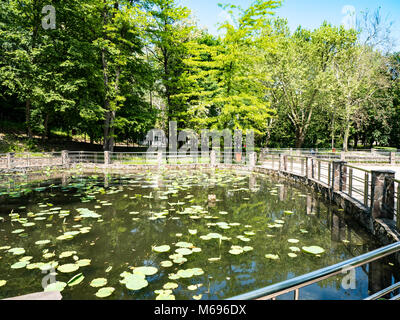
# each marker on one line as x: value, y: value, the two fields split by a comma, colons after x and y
x: 114, y: 69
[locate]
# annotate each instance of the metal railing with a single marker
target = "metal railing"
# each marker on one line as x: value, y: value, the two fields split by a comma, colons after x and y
x: 295, y: 284
x: 358, y: 184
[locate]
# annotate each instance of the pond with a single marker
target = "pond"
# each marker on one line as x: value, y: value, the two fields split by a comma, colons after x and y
x: 171, y: 235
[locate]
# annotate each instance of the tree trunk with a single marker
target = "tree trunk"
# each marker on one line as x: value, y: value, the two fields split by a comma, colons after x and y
x: 28, y: 118
x: 300, y: 137
x: 46, y: 122
x: 333, y: 131
x: 346, y: 138
x: 356, y: 141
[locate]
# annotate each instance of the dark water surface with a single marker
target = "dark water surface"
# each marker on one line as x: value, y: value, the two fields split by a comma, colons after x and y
x: 201, y: 211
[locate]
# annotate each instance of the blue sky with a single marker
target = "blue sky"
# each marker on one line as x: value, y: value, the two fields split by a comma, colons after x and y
x: 308, y: 13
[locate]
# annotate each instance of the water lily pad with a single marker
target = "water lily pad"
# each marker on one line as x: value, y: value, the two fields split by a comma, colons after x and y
x: 2, y: 283
x: 184, y: 251
x: 198, y: 297
x: 192, y: 287
x: 236, y: 251
x: 292, y: 255
x: 272, y: 256
x: 293, y: 241
x: 19, y: 265
x: 185, y: 273
x: 147, y: 271
x: 165, y: 297
x: 67, y: 268
x: 170, y: 285
x: 18, y: 231
x: 295, y: 249
x: 136, y: 282
x: 313, y: 250
x: 179, y: 260
x: 83, y: 262
x: 166, y: 264
x: 17, y: 251
x: 164, y: 248
x: 67, y: 254
x: 75, y: 280
x: 214, y: 259
x: 56, y: 286
x: 42, y: 242
x: 105, y: 292
x: 49, y: 255
x: 192, y: 232
x: 98, y: 282
x: 184, y: 244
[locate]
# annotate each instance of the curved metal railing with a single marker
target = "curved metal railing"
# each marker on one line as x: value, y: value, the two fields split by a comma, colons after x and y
x: 295, y: 284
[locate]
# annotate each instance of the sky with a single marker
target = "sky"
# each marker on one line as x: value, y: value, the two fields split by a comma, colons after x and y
x: 308, y: 13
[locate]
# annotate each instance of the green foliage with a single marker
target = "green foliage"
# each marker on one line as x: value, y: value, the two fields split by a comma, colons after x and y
x: 113, y: 70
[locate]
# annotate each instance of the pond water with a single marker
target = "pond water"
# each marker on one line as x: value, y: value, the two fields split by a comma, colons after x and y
x: 172, y: 235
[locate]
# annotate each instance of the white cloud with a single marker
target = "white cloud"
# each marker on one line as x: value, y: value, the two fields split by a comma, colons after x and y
x: 349, y: 21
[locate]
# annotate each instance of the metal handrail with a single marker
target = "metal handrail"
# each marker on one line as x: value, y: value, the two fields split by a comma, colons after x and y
x: 297, y: 283
x: 384, y: 292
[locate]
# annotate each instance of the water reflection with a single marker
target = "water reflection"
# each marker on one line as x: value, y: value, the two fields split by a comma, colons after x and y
x: 261, y: 202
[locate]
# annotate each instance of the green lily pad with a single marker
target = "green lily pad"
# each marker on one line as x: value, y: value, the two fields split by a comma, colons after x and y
x: 160, y: 249
x: 170, y: 285
x: 136, y: 282
x: 18, y: 231
x: 313, y: 250
x: 27, y: 258
x: 19, y: 265
x: 184, y: 244
x: 272, y: 256
x: 67, y: 268
x: 184, y: 251
x: 56, y: 286
x: 2, y: 283
x: 42, y: 242
x: 292, y: 255
x: 179, y: 260
x: 75, y: 280
x: 105, y: 292
x: 293, y: 241
x: 236, y: 251
x: 17, y: 251
x: 166, y: 264
x: 185, y: 273
x: 147, y: 271
x: 99, y: 282
x: 67, y: 254
x: 83, y: 262
x: 165, y: 297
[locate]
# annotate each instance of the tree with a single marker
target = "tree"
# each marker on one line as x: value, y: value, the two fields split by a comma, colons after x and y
x: 168, y: 31
x: 300, y: 67
x: 226, y: 77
